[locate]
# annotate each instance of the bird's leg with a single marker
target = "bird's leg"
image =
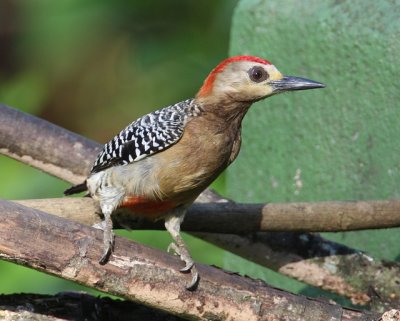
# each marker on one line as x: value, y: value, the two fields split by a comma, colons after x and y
x: 108, y: 237
x: 110, y: 201
x: 173, y: 226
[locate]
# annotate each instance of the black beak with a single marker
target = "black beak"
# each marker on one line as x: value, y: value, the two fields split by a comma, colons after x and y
x: 294, y: 83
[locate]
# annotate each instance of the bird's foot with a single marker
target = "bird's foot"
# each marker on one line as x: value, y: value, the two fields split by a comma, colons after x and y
x: 189, y: 264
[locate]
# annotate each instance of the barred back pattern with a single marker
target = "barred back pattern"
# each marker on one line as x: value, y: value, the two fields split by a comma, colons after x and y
x: 147, y: 135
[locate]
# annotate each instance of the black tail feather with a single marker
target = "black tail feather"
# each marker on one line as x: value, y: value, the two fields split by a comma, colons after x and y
x: 76, y: 189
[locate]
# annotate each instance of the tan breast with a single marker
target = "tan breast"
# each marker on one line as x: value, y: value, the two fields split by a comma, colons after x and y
x: 188, y: 167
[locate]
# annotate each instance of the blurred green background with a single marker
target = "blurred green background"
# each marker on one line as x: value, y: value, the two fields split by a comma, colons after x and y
x: 93, y: 66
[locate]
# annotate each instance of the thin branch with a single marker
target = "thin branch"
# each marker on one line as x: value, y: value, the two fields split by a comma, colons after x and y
x: 148, y: 276
x: 236, y: 218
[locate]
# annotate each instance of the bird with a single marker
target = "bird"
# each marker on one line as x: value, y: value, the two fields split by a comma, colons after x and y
x: 159, y: 164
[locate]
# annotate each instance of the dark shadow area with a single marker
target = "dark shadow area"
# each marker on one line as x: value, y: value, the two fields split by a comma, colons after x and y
x: 81, y: 306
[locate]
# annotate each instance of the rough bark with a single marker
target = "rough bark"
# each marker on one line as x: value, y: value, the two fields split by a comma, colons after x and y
x: 71, y: 250
x: 321, y: 263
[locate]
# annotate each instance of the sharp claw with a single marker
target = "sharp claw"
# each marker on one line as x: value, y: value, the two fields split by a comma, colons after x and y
x: 188, y: 267
x: 106, y: 256
x: 195, y: 279
x: 108, y: 248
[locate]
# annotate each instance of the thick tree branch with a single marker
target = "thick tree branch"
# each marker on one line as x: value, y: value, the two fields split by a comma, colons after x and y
x: 303, y: 256
x: 30, y: 139
x: 60, y: 153
x: 148, y: 276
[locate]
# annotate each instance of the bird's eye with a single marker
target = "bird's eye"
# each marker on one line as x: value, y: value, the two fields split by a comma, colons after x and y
x: 258, y: 74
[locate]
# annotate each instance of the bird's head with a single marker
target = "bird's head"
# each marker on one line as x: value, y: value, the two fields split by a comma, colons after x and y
x: 247, y: 79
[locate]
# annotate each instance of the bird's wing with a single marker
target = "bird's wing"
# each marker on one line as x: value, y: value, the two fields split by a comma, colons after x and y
x: 147, y: 135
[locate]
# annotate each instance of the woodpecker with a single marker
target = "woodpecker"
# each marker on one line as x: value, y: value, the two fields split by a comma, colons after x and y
x: 159, y: 164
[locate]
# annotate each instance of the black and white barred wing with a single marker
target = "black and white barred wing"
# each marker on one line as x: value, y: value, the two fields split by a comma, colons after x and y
x: 149, y: 134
